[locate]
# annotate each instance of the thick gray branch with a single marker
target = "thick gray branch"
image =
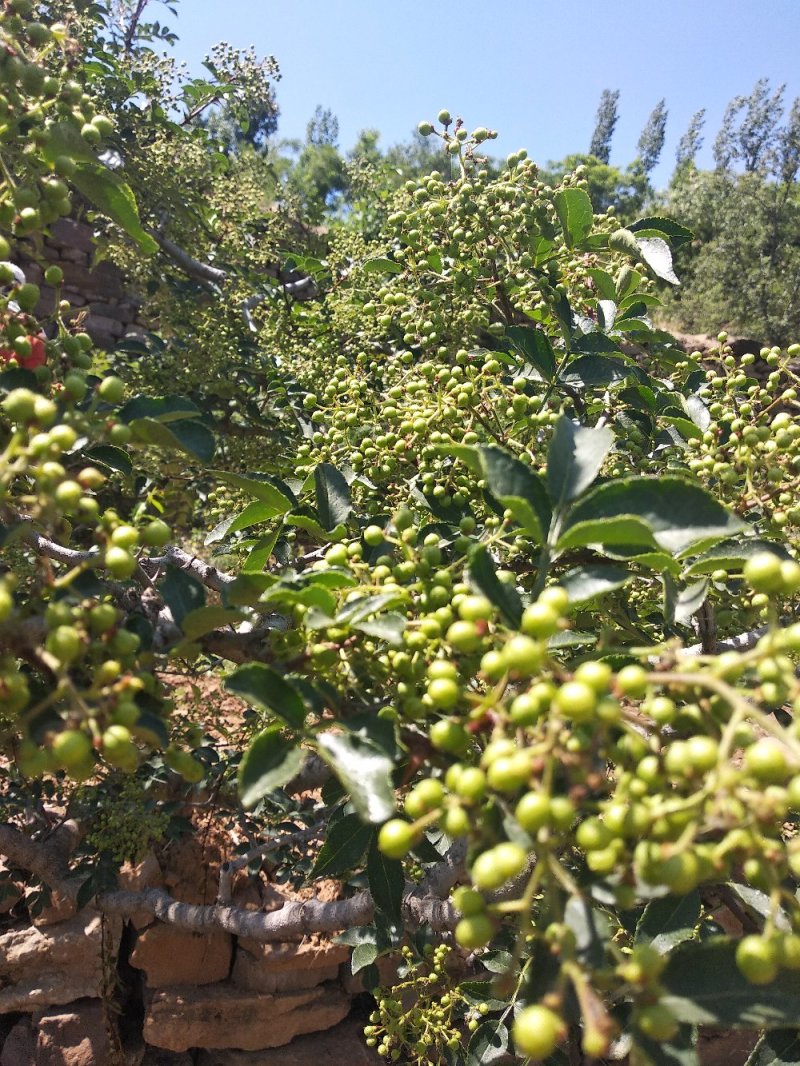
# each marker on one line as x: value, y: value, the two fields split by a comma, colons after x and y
x: 191, y: 266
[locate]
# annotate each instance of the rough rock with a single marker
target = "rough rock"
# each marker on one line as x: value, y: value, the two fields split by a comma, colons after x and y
x: 223, y: 1016
x: 19, y: 1046
x: 286, y: 967
x: 40, y: 967
x: 77, y: 1037
x: 341, y: 1046
x: 171, y: 956
x: 67, y: 233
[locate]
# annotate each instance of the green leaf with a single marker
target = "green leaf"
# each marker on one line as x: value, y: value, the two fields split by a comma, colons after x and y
x: 333, y: 496
x: 655, y: 252
x: 518, y: 489
x: 114, y: 198
x: 488, y: 1044
x: 363, y: 955
x: 310, y: 525
x: 671, y: 513
x: 261, y: 686
x: 604, y: 283
x: 181, y: 592
x: 261, y: 551
x: 193, y: 437
x: 669, y: 921
x: 255, y: 513
x: 111, y: 457
x: 203, y: 619
x: 732, y: 555
x: 704, y: 986
x: 65, y: 139
x: 388, y: 627
x: 586, y: 583
x: 344, y: 847
x: 171, y: 408
x: 482, y: 575
x: 574, y: 210
x: 381, y: 265
x: 364, y: 770
x: 574, y: 459
x: 655, y: 225
x: 386, y: 883
x: 535, y: 346
x: 780, y: 1047
x: 360, y: 608
x: 598, y: 371
x: 681, y: 603
x: 260, y: 490
x: 269, y: 762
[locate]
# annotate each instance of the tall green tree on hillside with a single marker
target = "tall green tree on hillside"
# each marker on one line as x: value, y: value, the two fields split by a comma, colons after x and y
x: 605, y: 123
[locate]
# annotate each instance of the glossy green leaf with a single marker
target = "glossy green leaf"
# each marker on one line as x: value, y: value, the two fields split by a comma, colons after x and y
x: 598, y: 371
x: 261, y: 686
x: 488, y: 1044
x: 111, y: 457
x: 344, y: 847
x: 574, y: 459
x: 655, y: 252
x: 389, y: 627
x: 64, y: 138
x: 669, y: 921
x: 671, y: 513
x: 518, y: 489
x: 574, y: 210
x: 111, y: 195
x: 171, y: 408
x: 386, y: 883
x: 203, y: 619
x: 535, y: 346
x: 586, y: 583
x: 260, y: 490
x: 381, y: 265
x: 732, y: 555
x: 270, y: 762
x: 364, y: 771
x: 363, y: 607
x: 191, y: 437
x: 333, y: 496
x: 181, y: 592
x: 261, y: 551
x: 652, y: 225
x: 704, y: 986
x: 482, y: 576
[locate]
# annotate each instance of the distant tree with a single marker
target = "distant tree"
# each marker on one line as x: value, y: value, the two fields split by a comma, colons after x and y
x: 651, y: 142
x: 624, y: 190
x: 607, y: 115
x: 323, y: 128
x: 743, y: 269
x: 690, y: 143
x: 750, y: 129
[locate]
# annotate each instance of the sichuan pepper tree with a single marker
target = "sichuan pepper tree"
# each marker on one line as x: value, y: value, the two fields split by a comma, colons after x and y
x: 514, y: 585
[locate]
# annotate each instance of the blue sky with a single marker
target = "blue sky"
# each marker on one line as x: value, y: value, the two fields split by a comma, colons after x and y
x: 531, y: 69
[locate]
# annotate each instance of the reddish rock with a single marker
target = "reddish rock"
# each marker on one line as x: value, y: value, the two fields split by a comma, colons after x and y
x: 19, y: 1046
x: 286, y: 967
x: 172, y: 956
x: 341, y: 1046
x: 67, y: 233
x: 223, y: 1016
x: 40, y: 967
x: 78, y: 1037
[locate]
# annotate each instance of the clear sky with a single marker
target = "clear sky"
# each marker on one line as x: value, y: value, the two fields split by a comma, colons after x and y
x: 532, y: 69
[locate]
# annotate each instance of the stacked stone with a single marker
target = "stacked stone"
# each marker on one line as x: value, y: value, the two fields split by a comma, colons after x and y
x: 98, y: 296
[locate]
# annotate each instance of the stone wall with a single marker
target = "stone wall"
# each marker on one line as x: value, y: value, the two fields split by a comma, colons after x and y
x: 97, y: 294
x: 79, y: 989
